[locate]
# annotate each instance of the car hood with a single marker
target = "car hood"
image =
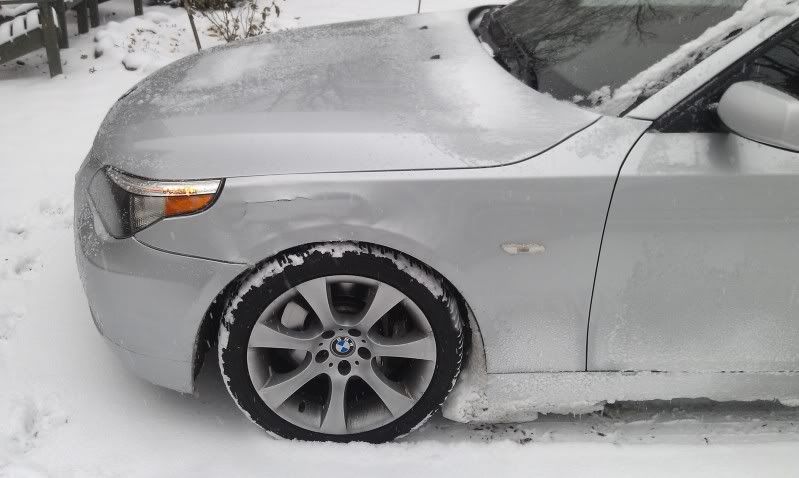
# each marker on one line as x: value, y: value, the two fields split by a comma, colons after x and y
x: 415, y: 92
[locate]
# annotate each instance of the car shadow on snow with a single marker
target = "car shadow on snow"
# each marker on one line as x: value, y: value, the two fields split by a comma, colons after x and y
x: 694, y: 421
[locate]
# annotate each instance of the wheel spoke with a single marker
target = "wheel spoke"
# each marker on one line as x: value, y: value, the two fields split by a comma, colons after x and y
x: 334, y: 417
x: 385, y: 298
x: 396, y: 400
x: 280, y: 387
x: 267, y: 337
x: 420, y: 348
x: 315, y: 293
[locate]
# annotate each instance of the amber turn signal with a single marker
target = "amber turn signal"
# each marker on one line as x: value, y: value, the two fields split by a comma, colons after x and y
x: 181, y: 205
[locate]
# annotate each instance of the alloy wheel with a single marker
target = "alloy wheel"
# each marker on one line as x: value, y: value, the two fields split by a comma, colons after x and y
x: 341, y: 354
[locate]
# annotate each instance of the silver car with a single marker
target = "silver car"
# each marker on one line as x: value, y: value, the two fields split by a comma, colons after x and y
x: 541, y: 207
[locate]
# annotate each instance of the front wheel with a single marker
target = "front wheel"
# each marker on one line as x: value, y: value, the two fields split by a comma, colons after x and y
x: 341, y: 342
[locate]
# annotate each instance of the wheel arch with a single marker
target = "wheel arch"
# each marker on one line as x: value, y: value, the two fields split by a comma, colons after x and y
x: 208, y: 330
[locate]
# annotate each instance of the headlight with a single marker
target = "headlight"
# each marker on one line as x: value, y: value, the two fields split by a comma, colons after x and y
x: 127, y: 204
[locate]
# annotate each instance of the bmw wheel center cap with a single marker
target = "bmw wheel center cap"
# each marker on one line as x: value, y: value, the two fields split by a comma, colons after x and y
x: 342, y: 346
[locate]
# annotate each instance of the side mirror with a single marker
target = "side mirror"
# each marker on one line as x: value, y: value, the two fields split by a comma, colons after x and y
x: 761, y: 113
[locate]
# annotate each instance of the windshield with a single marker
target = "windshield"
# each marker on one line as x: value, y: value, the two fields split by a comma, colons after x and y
x: 609, y: 55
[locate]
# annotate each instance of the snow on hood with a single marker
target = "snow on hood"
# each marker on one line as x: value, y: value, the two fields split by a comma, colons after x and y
x: 398, y: 93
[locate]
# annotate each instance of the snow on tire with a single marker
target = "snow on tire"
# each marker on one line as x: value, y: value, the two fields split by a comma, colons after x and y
x: 341, y: 342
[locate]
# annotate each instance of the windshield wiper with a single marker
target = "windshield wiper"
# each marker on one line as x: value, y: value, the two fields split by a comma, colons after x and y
x: 508, y: 52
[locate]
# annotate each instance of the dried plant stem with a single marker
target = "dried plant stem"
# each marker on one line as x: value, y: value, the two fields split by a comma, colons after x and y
x: 187, y: 6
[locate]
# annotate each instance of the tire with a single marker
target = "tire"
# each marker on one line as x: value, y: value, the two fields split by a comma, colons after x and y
x: 311, y: 347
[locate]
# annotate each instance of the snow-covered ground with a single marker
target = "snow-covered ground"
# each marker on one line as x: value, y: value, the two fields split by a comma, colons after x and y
x: 68, y: 408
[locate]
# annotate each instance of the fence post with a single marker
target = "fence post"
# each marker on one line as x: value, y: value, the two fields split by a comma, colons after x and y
x: 83, y: 17
x: 94, y: 13
x: 50, y: 38
x: 61, y: 15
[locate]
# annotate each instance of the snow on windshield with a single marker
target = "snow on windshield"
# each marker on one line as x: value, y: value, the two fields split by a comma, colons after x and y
x: 609, y: 101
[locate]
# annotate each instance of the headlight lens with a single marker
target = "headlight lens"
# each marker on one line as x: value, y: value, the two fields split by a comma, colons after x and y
x: 127, y: 204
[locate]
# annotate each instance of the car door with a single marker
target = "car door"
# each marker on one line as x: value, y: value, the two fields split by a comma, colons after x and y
x: 699, y: 266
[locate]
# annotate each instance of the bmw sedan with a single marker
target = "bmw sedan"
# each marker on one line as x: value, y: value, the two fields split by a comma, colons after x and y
x: 535, y: 208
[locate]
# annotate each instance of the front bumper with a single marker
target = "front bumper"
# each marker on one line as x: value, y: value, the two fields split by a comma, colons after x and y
x: 148, y: 303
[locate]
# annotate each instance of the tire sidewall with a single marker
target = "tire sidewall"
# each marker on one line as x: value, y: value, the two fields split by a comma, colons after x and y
x: 240, y: 318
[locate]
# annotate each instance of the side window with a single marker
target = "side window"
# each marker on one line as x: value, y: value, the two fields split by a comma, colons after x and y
x: 775, y: 64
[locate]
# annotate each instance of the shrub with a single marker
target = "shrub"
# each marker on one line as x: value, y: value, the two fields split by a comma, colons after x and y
x: 237, y: 21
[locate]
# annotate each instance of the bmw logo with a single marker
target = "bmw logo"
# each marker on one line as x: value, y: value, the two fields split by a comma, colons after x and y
x: 342, y: 346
